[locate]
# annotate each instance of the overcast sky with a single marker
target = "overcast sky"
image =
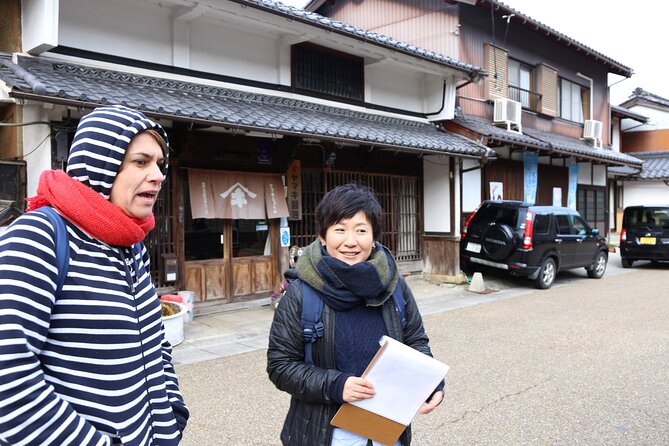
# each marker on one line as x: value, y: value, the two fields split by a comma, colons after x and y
x: 633, y: 33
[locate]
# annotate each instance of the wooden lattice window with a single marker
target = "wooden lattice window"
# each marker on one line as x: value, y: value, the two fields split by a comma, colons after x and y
x: 329, y: 72
x: 399, y: 197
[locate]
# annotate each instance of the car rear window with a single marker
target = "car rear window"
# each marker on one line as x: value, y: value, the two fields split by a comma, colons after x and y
x: 489, y: 214
x: 647, y: 217
x: 541, y: 223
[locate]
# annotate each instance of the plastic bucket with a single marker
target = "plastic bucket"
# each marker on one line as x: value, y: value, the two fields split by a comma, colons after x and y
x: 174, y: 324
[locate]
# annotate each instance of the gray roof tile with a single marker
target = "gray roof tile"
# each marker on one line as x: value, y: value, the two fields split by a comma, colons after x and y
x: 655, y: 166
x: 89, y: 87
x: 369, y: 36
x: 541, y: 140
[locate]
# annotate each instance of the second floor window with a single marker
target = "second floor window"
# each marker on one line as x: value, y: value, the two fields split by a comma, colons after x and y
x: 574, y: 101
x: 332, y: 73
x: 520, y: 83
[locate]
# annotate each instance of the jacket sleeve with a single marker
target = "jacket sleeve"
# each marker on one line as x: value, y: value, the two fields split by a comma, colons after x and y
x: 285, y: 354
x: 181, y: 412
x: 31, y: 413
x: 414, y: 333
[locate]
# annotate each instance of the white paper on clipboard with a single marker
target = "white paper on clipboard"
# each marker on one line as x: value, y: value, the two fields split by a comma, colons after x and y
x: 403, y: 379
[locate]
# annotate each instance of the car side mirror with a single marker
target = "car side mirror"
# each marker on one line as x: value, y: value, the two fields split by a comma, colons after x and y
x: 594, y: 231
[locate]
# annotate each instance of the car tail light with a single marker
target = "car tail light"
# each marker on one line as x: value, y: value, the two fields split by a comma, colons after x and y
x: 623, y: 235
x: 527, y: 236
x: 469, y: 219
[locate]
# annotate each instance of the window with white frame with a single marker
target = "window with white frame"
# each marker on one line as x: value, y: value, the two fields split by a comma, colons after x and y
x: 574, y: 101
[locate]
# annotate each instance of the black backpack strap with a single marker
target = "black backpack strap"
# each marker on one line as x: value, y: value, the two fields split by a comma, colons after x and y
x: 62, y: 244
x: 312, y: 324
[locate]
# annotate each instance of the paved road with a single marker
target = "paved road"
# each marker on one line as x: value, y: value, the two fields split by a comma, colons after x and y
x: 582, y: 364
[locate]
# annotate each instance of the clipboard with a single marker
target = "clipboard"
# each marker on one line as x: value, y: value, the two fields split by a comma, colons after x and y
x: 367, y: 424
x: 365, y: 421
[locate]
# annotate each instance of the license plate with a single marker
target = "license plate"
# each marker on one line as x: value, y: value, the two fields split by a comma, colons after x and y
x: 647, y: 240
x: 473, y: 247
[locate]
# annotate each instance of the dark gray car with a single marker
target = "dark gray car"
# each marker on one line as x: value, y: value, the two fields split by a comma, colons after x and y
x: 645, y: 234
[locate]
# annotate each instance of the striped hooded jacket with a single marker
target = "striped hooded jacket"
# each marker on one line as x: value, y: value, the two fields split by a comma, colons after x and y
x: 90, y: 366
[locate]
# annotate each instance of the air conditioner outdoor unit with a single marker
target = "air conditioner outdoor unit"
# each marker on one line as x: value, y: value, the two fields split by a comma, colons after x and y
x: 507, y: 113
x: 592, y: 130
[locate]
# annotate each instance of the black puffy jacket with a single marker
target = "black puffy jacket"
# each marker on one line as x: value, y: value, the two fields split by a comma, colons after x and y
x: 311, y: 408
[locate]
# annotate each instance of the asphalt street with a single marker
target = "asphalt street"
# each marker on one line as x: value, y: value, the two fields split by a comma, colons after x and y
x: 583, y: 363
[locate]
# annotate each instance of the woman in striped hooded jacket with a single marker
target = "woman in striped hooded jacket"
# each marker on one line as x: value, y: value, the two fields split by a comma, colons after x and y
x: 89, y: 364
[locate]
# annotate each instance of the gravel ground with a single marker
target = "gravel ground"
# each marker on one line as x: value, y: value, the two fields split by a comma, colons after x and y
x: 582, y: 364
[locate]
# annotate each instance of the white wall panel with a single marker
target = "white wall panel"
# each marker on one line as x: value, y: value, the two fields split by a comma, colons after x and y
x: 599, y: 175
x: 437, y: 192
x: 584, y: 173
x: 232, y: 52
x: 645, y: 192
x: 137, y: 30
x: 394, y: 88
x: 471, y: 186
x: 36, y: 145
x: 39, y: 25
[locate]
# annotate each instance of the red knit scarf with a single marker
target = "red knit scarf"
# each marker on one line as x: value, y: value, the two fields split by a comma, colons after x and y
x: 89, y: 210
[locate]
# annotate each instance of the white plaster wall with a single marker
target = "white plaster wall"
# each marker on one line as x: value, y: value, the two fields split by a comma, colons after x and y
x: 615, y: 134
x: 645, y: 192
x: 233, y: 52
x: 40, y: 25
x: 584, y: 173
x: 611, y: 208
x: 36, y: 145
x: 137, y: 30
x: 147, y: 31
x: 390, y: 86
x: 598, y: 175
x: 436, y: 190
x: 657, y: 119
x: 471, y: 186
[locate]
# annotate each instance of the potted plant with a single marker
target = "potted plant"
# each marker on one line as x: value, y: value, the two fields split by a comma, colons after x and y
x: 173, y: 321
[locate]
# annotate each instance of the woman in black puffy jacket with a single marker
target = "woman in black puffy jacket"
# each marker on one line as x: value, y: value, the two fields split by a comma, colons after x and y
x: 355, y: 277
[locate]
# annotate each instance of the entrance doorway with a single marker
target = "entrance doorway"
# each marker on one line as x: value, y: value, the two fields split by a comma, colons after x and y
x: 228, y: 260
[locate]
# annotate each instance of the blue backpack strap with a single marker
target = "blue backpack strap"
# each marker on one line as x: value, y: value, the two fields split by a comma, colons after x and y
x: 312, y: 324
x: 400, y: 304
x: 62, y: 245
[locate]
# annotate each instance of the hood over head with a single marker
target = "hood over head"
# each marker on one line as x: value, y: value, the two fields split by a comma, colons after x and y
x: 100, y: 143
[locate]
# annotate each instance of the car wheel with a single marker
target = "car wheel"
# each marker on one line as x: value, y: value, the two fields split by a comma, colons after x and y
x: 547, y: 274
x: 596, y: 270
x: 627, y: 263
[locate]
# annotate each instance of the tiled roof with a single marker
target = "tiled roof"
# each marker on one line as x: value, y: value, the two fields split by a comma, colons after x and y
x: 655, y: 166
x: 485, y: 128
x: 541, y: 140
x: 88, y: 87
x: 515, y: 16
x: 623, y: 171
x: 362, y: 34
x: 562, y: 39
x: 623, y: 112
x: 639, y: 95
x: 578, y: 147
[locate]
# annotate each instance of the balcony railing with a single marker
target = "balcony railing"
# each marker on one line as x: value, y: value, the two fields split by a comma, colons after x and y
x: 527, y: 98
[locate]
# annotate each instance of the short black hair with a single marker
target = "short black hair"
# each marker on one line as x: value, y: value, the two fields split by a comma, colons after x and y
x: 344, y: 202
